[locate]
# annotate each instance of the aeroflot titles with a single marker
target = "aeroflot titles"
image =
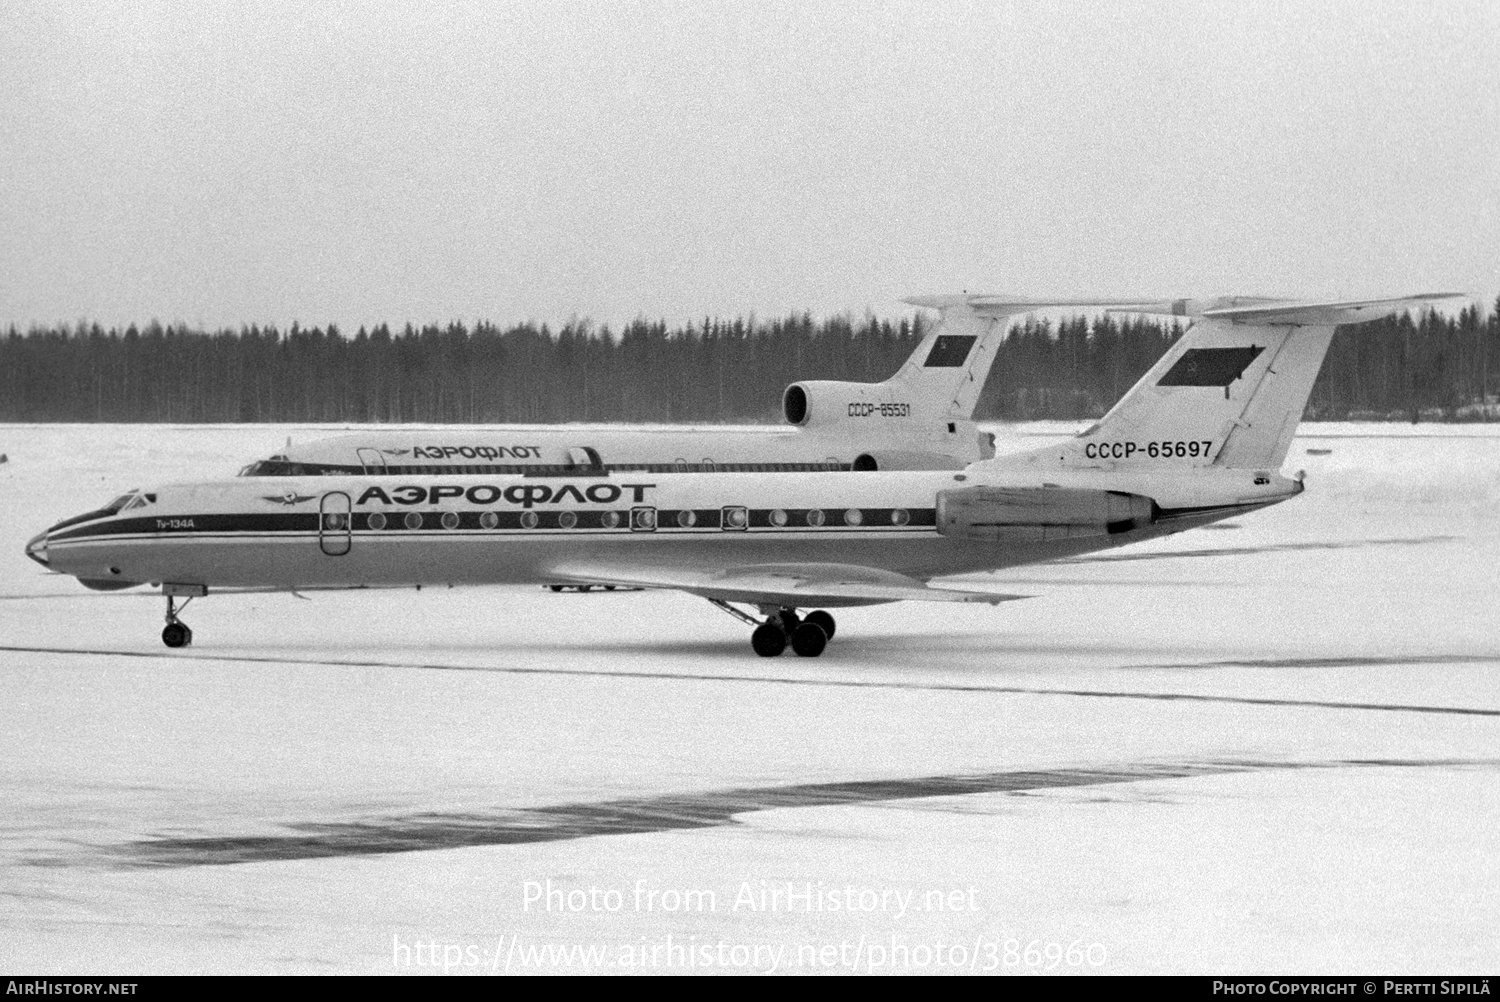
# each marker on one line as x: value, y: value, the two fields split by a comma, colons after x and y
x: 524, y: 495
x: 477, y: 451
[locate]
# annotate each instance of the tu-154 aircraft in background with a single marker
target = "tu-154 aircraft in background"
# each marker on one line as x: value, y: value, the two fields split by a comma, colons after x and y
x: 1199, y: 438
x: 921, y: 418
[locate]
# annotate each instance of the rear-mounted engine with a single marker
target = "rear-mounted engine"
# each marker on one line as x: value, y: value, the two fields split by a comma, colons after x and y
x: 825, y: 401
x: 1038, y: 514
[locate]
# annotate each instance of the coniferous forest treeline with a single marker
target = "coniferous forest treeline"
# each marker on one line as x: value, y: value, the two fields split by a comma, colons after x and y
x: 1433, y: 367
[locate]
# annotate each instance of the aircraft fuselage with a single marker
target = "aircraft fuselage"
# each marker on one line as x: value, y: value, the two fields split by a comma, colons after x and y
x: 385, y: 531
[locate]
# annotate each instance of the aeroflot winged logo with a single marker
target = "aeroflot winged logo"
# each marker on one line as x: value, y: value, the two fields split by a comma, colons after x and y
x: 525, y: 495
x: 290, y: 497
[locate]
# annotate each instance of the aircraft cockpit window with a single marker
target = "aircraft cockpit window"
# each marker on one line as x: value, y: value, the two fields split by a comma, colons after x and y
x: 125, y: 502
x: 277, y: 466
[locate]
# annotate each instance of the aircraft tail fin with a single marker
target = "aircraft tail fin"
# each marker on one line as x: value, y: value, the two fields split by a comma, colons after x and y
x: 953, y: 361
x: 1231, y: 391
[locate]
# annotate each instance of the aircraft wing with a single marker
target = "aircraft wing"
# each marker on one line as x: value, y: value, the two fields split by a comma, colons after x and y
x: 794, y: 585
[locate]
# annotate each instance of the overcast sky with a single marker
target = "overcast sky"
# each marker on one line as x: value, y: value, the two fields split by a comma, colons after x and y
x: 222, y: 164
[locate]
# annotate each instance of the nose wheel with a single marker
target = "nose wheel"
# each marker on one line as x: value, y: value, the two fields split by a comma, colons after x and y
x: 176, y: 635
x: 807, y: 636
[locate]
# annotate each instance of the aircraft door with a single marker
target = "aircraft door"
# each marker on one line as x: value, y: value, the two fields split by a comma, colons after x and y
x: 373, y: 462
x: 334, y: 535
x: 585, y: 456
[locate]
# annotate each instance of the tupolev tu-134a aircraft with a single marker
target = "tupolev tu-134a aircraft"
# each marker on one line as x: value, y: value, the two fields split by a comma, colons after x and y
x: 1199, y: 438
x: 919, y: 419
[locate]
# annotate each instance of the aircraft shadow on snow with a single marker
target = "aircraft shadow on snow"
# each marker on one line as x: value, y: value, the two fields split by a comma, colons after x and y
x: 660, y: 813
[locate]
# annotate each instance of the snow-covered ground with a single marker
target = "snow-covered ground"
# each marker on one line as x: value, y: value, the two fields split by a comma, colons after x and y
x: 1271, y: 747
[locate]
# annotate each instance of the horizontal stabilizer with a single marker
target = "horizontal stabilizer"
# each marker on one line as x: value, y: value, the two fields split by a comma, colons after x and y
x: 990, y: 305
x: 1262, y: 312
x: 1353, y: 312
x: 787, y: 585
x: 1259, y: 310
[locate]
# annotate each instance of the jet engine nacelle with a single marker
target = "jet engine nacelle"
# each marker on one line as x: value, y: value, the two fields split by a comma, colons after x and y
x: 1038, y: 514
x: 822, y: 402
x: 896, y: 459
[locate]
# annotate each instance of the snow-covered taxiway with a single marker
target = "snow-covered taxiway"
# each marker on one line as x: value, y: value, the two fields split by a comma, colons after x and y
x: 1269, y: 747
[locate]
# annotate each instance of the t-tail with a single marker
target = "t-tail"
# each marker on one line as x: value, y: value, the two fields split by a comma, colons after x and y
x: 926, y: 410
x: 953, y: 361
x: 1231, y: 391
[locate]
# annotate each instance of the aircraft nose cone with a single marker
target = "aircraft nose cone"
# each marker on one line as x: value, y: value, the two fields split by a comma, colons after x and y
x: 36, y: 548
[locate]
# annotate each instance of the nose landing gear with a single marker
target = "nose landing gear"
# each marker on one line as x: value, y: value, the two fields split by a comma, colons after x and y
x: 806, y: 636
x: 177, y: 633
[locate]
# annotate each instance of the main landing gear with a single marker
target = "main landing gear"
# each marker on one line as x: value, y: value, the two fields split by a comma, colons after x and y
x: 177, y: 633
x: 807, y: 635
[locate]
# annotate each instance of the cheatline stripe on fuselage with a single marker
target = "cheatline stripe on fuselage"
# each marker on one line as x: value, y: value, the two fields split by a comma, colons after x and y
x: 888, y: 532
x: 278, y: 468
x: 470, y: 521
